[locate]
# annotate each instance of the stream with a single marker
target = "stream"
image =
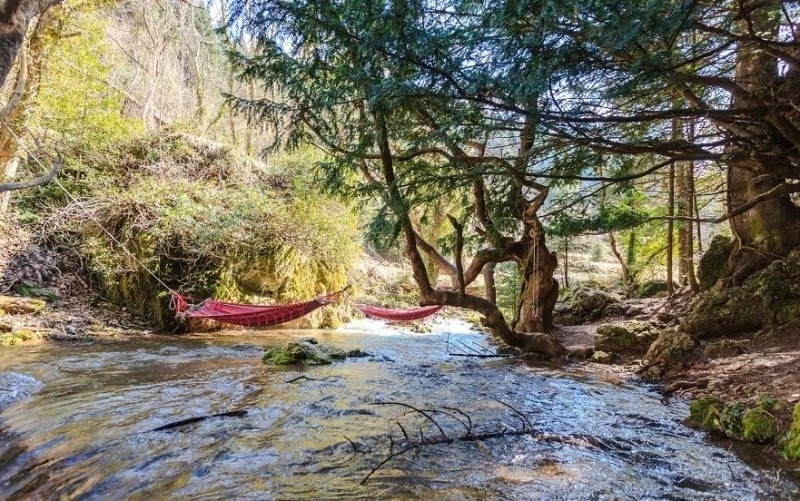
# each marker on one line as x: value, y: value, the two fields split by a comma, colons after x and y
x: 76, y: 422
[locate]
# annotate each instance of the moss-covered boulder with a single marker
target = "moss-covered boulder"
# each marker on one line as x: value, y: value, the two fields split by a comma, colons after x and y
x: 672, y: 350
x: 653, y: 288
x: 602, y: 357
x: 791, y: 442
x: 724, y: 312
x: 770, y: 297
x: 20, y: 336
x: 725, y: 348
x: 714, y: 262
x: 705, y: 412
x: 631, y: 337
x: 21, y: 305
x: 583, y: 304
x: 754, y: 422
x: 306, y: 351
x: 758, y: 425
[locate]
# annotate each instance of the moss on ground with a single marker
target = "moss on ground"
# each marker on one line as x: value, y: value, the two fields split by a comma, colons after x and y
x: 791, y: 442
x: 758, y: 425
x: 20, y: 336
x: 756, y: 422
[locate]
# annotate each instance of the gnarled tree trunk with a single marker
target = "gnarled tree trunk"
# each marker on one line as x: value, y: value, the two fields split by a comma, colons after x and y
x: 539, y: 289
x: 771, y: 229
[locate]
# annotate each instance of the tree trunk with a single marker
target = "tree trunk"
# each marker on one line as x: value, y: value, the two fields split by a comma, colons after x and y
x: 493, y: 317
x: 771, y: 229
x: 539, y: 289
x: 686, y: 228
x: 670, y: 226
x: 15, y: 16
x: 490, y: 286
x: 626, y: 274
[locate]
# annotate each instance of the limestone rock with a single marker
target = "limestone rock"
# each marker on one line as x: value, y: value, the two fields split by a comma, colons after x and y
x: 20, y: 305
x: 672, y: 350
x: 601, y: 357
x: 626, y: 337
x: 714, y: 262
x: 724, y: 311
x: 770, y: 297
x: 305, y: 351
x: 582, y: 304
x: 725, y: 348
x: 653, y: 288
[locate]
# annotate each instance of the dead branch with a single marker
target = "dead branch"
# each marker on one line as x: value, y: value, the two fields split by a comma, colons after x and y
x: 197, y: 419
x: 407, y: 444
x: 32, y: 183
x: 300, y: 378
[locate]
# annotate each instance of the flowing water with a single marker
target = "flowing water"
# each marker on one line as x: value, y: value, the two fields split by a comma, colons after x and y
x: 77, y: 421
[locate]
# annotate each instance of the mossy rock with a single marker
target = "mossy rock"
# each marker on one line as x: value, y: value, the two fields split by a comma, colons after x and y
x: 307, y: 352
x: 20, y: 336
x: 770, y: 297
x: 758, y: 425
x: 602, y: 357
x: 583, y: 303
x: 724, y: 311
x: 626, y: 337
x: 705, y: 411
x: 672, y: 350
x: 714, y: 262
x: 653, y: 288
x: 21, y: 305
x: 725, y: 348
x: 791, y: 442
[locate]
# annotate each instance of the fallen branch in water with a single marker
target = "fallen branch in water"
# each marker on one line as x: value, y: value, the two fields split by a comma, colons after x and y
x: 299, y: 378
x: 406, y: 443
x: 197, y: 419
x: 399, y: 446
x: 478, y: 355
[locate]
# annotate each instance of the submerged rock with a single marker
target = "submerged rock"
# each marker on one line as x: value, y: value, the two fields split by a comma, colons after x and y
x: 626, y: 337
x: 305, y: 351
x: 16, y: 387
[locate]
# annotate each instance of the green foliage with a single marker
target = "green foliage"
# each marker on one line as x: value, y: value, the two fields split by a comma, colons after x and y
x: 791, y: 442
x: 205, y: 221
x: 75, y: 99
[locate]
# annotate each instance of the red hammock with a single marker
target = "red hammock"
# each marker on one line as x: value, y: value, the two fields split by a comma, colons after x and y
x: 397, y: 315
x: 245, y: 314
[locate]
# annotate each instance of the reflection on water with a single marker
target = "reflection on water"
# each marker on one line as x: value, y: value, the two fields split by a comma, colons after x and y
x: 80, y: 427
